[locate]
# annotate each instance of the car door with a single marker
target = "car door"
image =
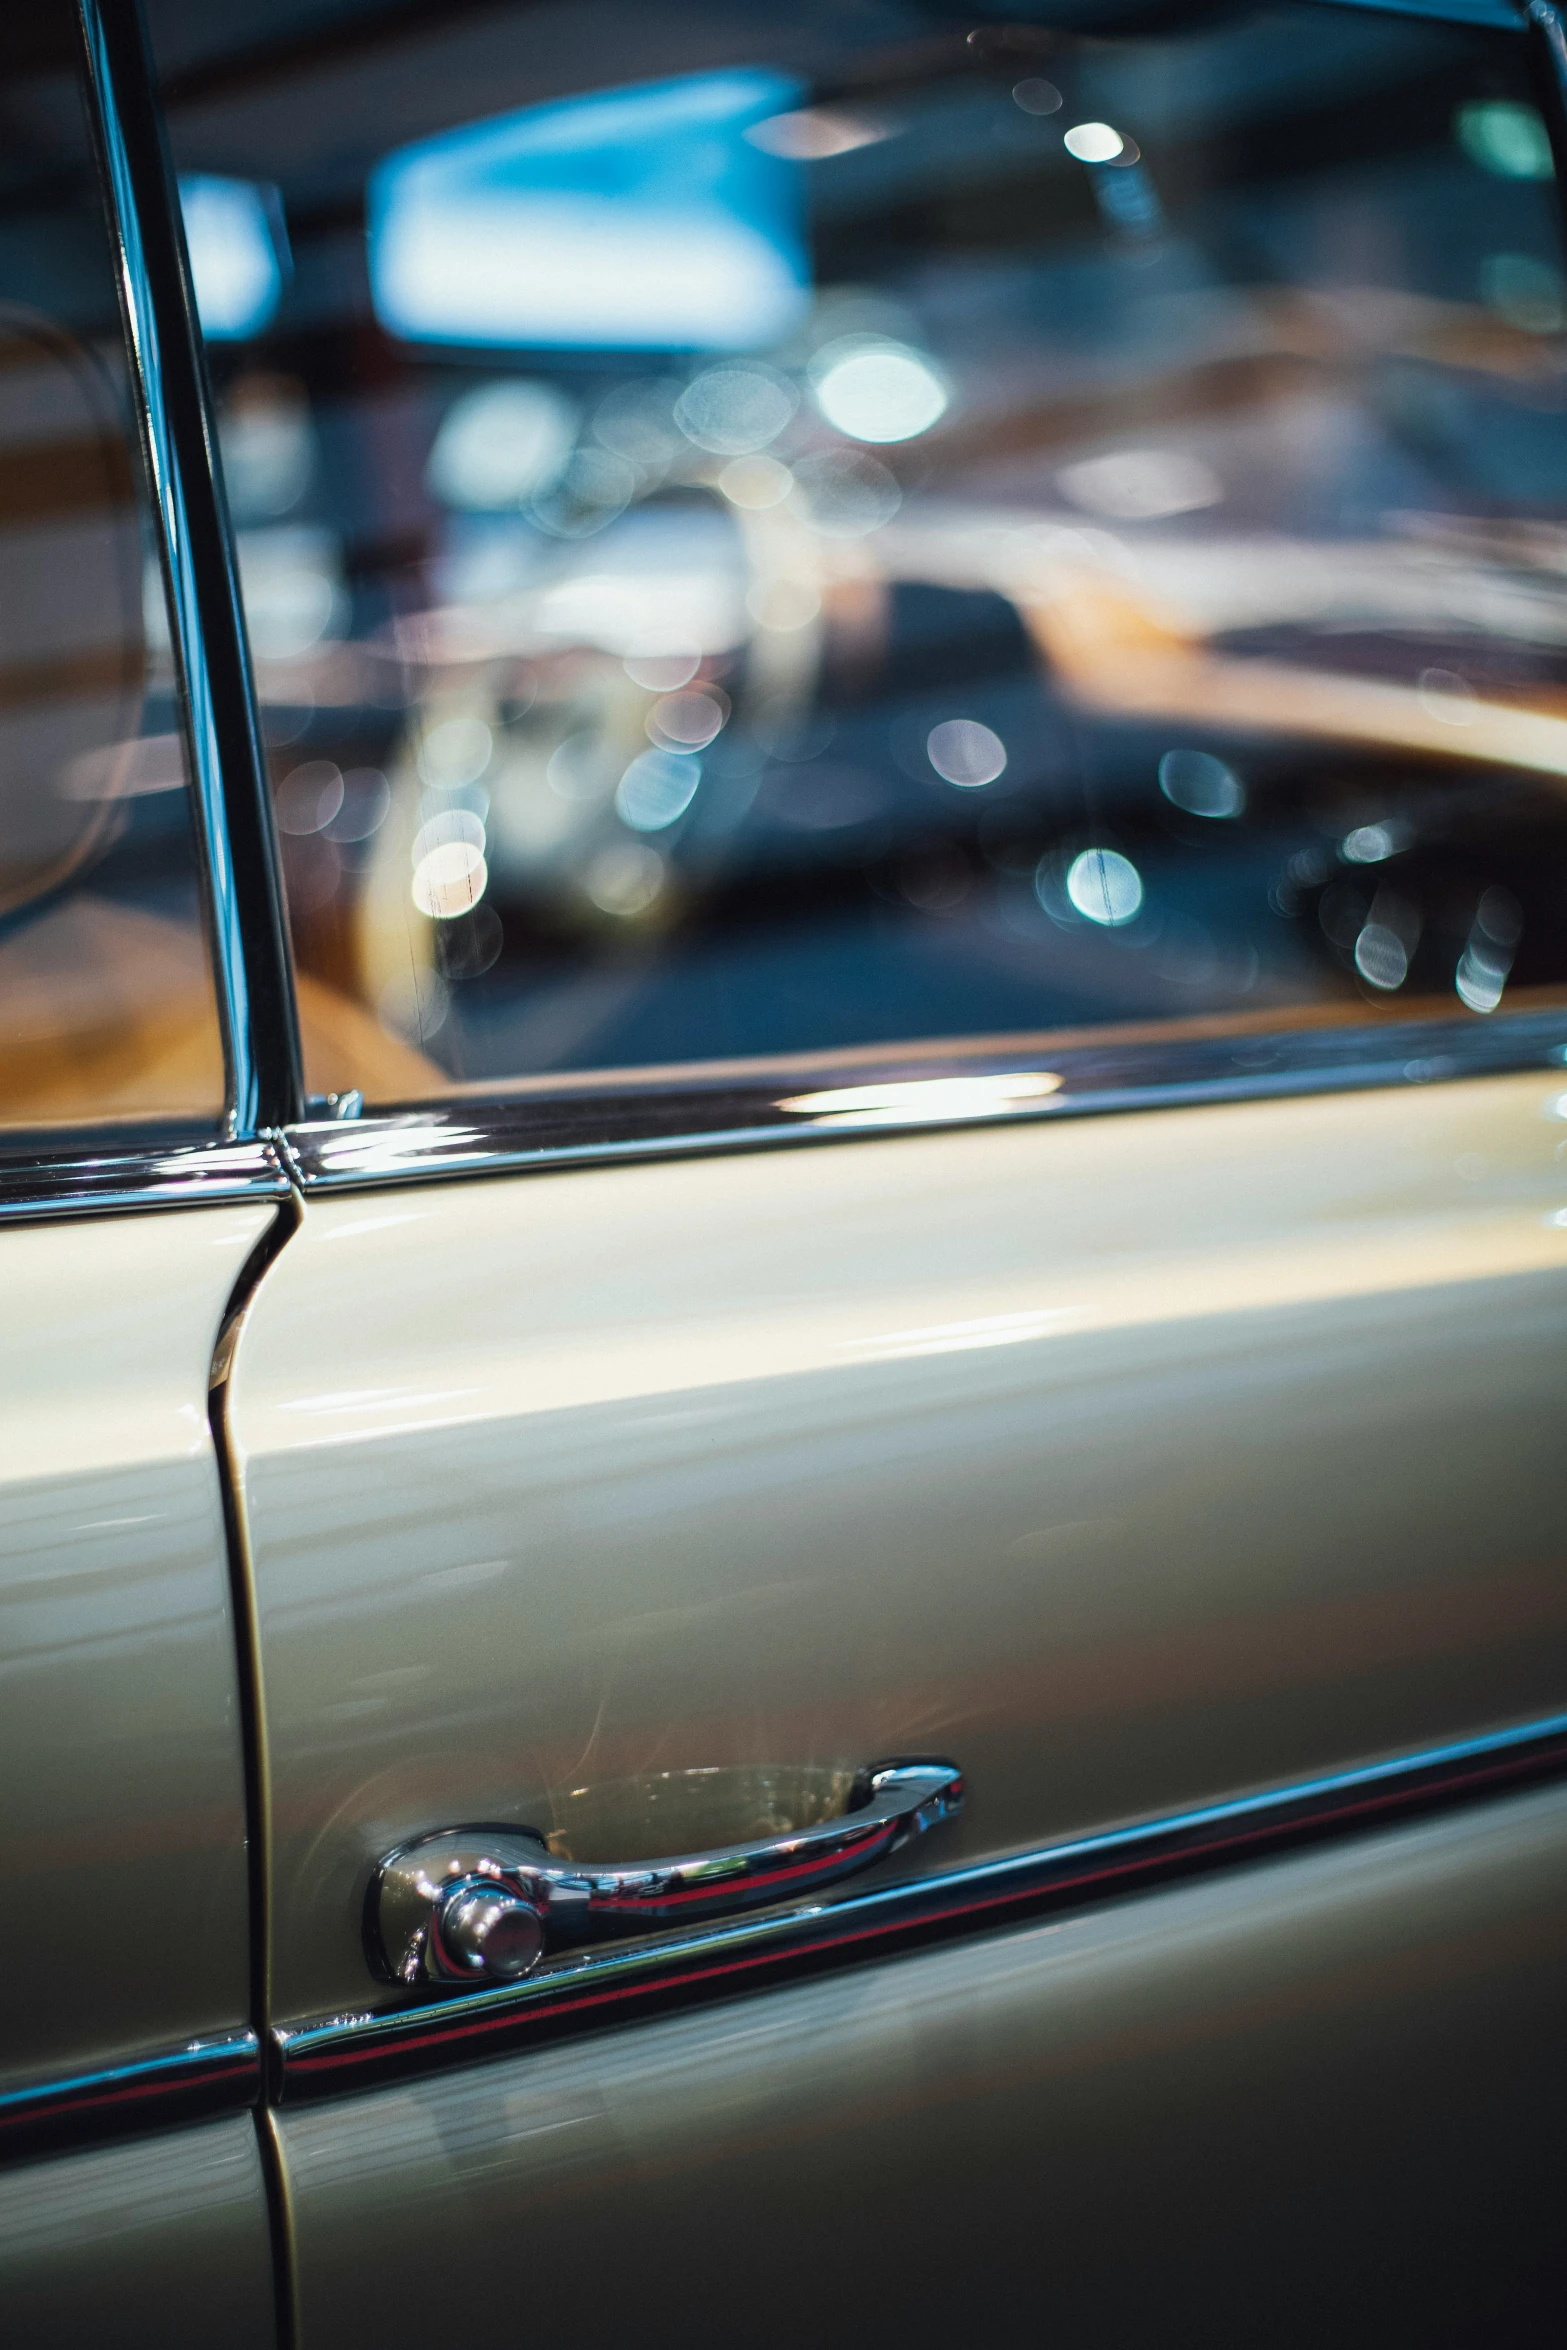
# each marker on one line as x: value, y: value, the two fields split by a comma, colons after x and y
x: 910, y: 668
x: 133, y: 1196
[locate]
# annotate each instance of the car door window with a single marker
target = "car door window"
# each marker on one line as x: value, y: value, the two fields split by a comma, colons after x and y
x: 984, y: 535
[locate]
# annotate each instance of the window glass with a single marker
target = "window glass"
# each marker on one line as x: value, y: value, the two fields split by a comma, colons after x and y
x: 771, y: 532
x: 107, y: 1009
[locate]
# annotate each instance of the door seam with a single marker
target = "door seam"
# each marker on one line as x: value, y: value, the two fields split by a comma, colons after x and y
x: 253, y: 1742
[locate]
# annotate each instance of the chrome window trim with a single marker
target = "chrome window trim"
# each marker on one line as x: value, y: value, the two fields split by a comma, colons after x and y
x: 236, y: 838
x: 342, y: 2054
x: 74, y: 1181
x: 541, y: 1130
x: 221, y: 2074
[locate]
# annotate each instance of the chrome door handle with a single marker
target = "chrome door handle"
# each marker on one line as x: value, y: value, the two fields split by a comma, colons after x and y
x: 485, y: 1905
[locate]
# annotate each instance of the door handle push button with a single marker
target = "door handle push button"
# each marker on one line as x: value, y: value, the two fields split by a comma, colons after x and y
x: 489, y: 1935
x: 485, y: 1905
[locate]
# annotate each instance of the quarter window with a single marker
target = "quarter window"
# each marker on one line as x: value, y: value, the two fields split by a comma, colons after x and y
x: 107, y: 1010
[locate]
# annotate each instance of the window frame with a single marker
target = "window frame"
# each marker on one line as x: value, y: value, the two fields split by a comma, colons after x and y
x: 68, y: 1174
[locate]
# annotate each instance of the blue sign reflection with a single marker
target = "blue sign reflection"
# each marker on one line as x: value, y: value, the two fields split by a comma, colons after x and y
x: 234, y: 236
x: 632, y: 219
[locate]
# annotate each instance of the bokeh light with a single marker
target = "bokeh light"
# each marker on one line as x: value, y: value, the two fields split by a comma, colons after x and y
x: 1201, y: 784
x: 502, y: 444
x: 965, y: 753
x: 1093, y: 142
x: 1104, y: 886
x: 449, y: 880
x: 656, y: 788
x: 874, y: 390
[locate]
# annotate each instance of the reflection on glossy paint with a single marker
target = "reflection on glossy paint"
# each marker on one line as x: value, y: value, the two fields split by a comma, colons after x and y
x: 116, y: 1633
x: 162, y: 2240
x: 1014, y: 2070
x: 543, y: 1352
x: 362, y: 1224
x: 945, y: 1338
x: 363, y: 1400
x: 753, y: 1441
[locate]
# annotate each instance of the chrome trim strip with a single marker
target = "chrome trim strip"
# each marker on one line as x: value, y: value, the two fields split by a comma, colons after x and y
x: 218, y: 2075
x: 244, y: 894
x: 541, y: 1131
x: 71, y: 1183
x: 579, y: 1127
x: 345, y: 2053
x: 190, y: 649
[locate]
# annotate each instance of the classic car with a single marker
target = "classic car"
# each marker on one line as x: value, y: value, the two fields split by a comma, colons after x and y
x: 783, y: 1159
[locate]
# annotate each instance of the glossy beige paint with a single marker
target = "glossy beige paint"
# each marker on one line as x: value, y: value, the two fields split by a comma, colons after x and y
x: 1308, y: 2103
x: 161, y: 2244
x: 119, y: 1723
x: 1128, y: 1460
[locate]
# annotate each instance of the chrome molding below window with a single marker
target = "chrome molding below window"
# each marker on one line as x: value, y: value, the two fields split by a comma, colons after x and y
x: 903, y: 1093
x: 346, y: 2053
x: 112, y: 1181
x: 219, y: 2075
